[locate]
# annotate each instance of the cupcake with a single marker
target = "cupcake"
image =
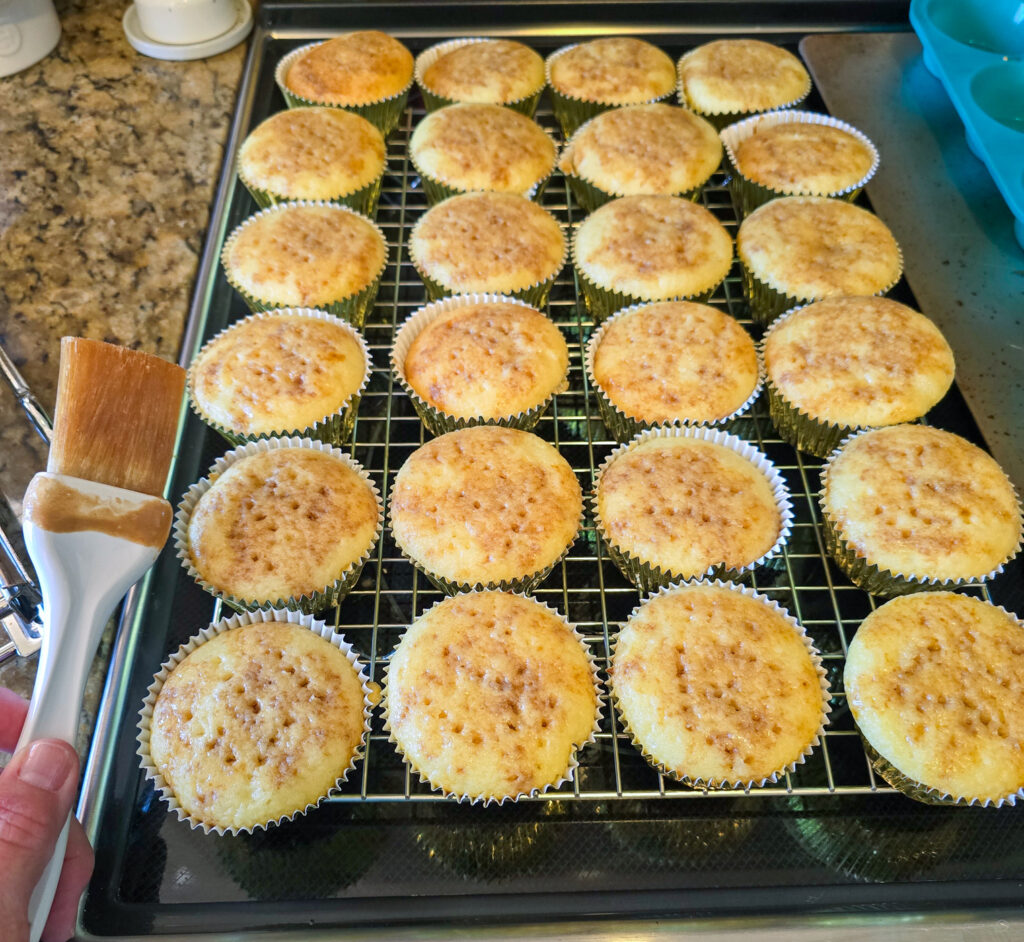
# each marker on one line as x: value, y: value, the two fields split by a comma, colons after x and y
x: 911, y: 507
x: 482, y: 72
x: 934, y: 683
x: 805, y: 248
x: 681, y: 502
x: 314, y: 154
x: 639, y: 150
x: 287, y: 522
x: 289, y: 372
x: 851, y: 362
x: 730, y: 78
x: 485, y: 507
x: 478, y: 360
x: 499, y: 243
x: 649, y: 248
x: 480, y: 147
x: 367, y: 72
x: 307, y: 255
x: 254, y: 720
x: 718, y: 686
x: 594, y: 76
x: 671, y: 362
x: 490, y: 696
x: 796, y: 153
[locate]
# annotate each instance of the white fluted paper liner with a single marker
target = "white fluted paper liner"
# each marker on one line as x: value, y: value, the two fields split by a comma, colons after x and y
x: 352, y: 307
x: 526, y: 105
x: 879, y: 580
x: 748, y: 194
x: 486, y: 800
x: 624, y: 426
x: 315, y: 601
x: 214, y: 629
x: 819, y: 669
x: 437, y: 420
x: 647, y: 575
x: 335, y: 427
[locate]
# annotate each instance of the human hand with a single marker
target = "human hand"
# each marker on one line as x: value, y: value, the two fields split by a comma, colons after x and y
x: 37, y: 790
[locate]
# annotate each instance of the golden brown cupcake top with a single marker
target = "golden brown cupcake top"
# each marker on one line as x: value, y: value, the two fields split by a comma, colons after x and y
x: 811, y: 247
x: 355, y: 69
x: 281, y: 524
x: 934, y: 682
x: 489, y: 695
x: 923, y: 502
x: 304, y: 255
x: 738, y: 75
x: 614, y: 71
x: 654, y: 148
x: 684, y: 505
x: 494, y: 359
x: 675, y: 360
x: 257, y: 723
x: 859, y: 361
x: 717, y: 685
x: 487, y: 242
x: 312, y: 153
x: 485, y: 504
x: 496, y: 72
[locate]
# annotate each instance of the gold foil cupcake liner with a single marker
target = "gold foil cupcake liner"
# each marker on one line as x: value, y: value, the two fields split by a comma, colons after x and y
x: 229, y: 623
x: 526, y: 105
x: 315, y: 601
x: 363, y: 199
x: 335, y: 428
x: 382, y: 113
x: 747, y: 195
x: 437, y: 420
x: 352, y: 308
x: 648, y: 576
x: 698, y: 782
x: 623, y: 426
x: 535, y: 294
x: 487, y: 800
x: 878, y: 580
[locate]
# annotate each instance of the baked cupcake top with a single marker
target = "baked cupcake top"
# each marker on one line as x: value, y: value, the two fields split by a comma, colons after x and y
x: 918, y: 501
x: 304, y: 254
x: 482, y: 147
x: 934, y: 682
x: 278, y: 372
x: 480, y: 242
x: 738, y: 75
x: 811, y: 247
x: 492, y: 71
x: 717, y: 685
x: 858, y: 361
x: 654, y: 148
x: 685, y: 504
x: 355, y: 69
x: 489, y: 695
x: 484, y: 505
x: 282, y: 523
x: 653, y: 247
x: 614, y: 71
x: 490, y: 358
x: 675, y: 360
x: 257, y: 723
x: 312, y: 154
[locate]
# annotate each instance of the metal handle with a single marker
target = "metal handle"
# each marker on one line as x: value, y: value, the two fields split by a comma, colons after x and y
x: 28, y: 402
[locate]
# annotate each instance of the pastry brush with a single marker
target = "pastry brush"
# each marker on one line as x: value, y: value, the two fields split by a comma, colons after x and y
x: 94, y: 522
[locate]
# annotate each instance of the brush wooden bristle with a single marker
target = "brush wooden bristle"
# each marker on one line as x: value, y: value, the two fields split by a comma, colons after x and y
x: 117, y: 415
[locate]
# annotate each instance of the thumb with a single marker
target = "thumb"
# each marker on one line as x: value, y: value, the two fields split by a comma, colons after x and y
x: 36, y: 792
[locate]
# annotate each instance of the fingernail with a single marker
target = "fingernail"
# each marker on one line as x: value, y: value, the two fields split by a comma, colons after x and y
x: 47, y: 765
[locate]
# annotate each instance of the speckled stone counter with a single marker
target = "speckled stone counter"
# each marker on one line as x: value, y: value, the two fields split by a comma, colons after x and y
x: 110, y: 160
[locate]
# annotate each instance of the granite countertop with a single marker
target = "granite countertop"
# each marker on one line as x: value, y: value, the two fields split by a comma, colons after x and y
x: 110, y: 165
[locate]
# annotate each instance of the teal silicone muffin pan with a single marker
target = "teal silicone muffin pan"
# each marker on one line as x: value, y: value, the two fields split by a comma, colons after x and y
x: 976, y: 49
